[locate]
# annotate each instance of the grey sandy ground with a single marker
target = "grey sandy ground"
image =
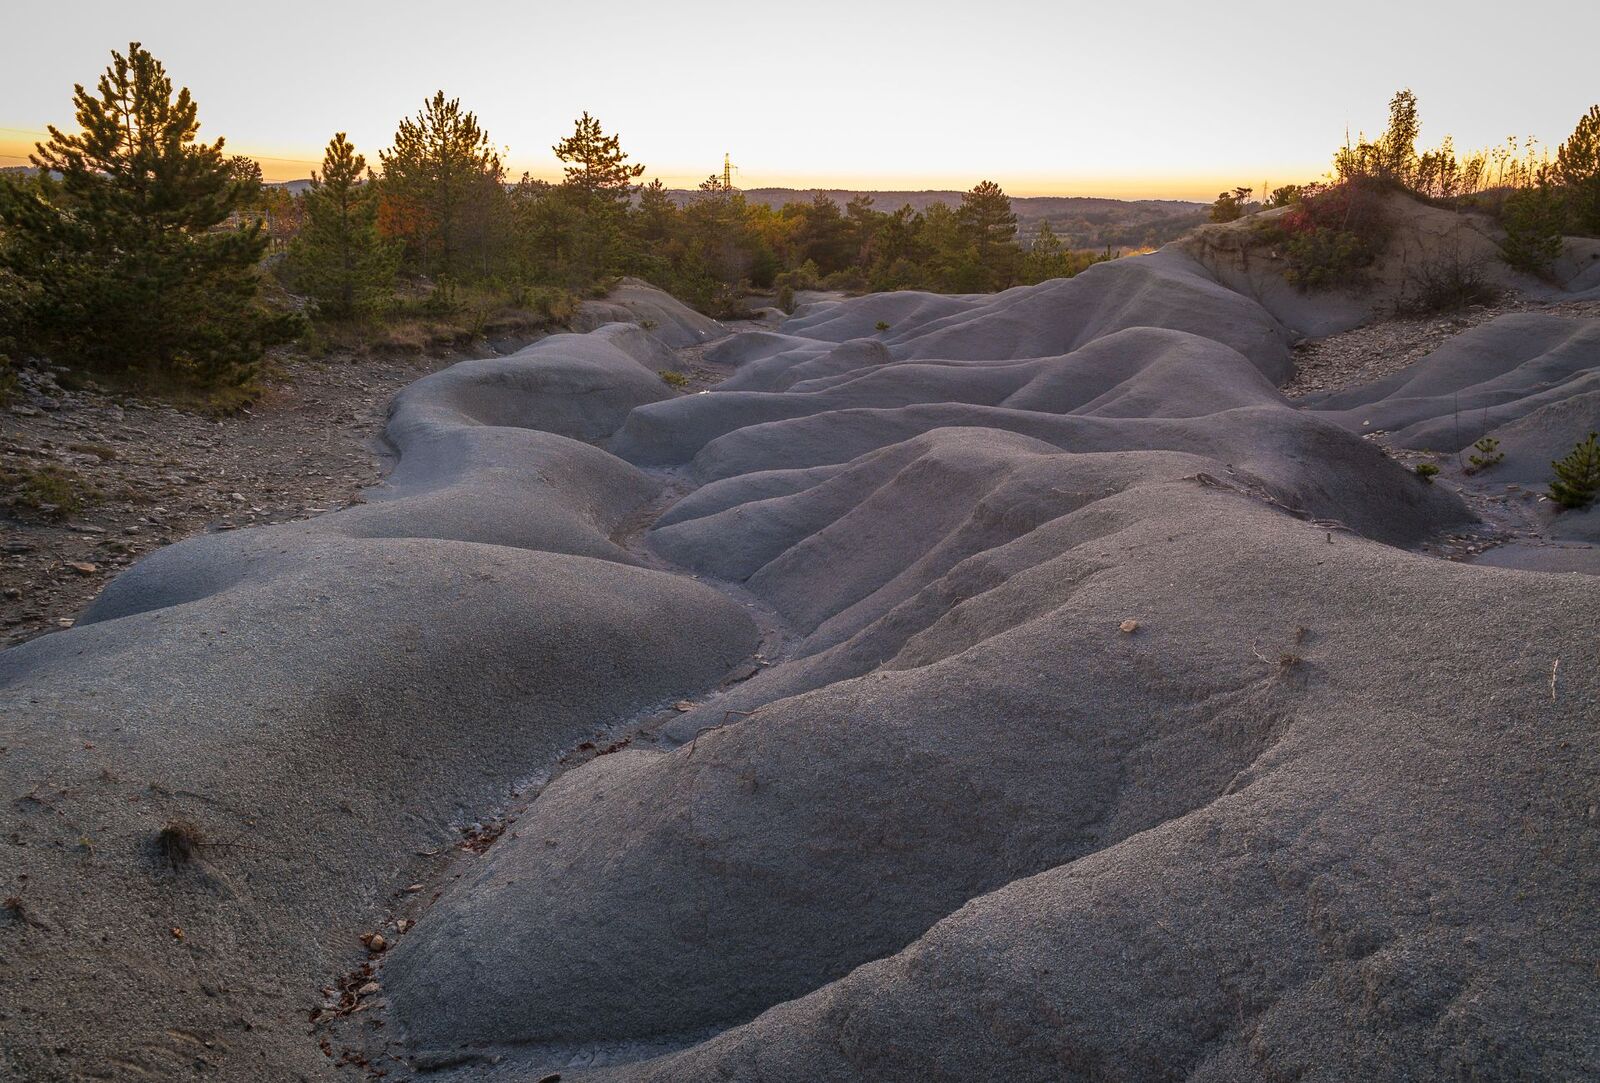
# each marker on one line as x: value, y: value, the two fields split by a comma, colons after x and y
x: 1116, y: 728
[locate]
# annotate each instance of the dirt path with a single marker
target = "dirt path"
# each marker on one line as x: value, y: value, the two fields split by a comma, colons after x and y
x: 148, y: 475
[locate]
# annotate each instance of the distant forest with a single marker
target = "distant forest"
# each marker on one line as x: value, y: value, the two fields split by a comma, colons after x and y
x: 1081, y: 222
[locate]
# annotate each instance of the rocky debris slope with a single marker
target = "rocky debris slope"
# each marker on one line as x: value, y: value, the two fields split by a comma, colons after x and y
x: 1112, y: 724
x: 137, y: 475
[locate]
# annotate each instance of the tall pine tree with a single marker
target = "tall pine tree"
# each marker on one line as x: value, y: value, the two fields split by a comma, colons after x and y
x: 598, y: 186
x: 1577, y: 169
x: 442, y: 187
x: 595, y: 164
x: 339, y: 259
x: 988, y: 225
x: 120, y: 255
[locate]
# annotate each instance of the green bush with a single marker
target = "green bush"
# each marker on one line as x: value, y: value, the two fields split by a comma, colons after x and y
x: 1534, y: 219
x: 1577, y: 479
x: 849, y: 280
x: 52, y: 491
x: 1427, y: 472
x: 1231, y: 206
x: 1486, y: 454
x: 1330, y: 236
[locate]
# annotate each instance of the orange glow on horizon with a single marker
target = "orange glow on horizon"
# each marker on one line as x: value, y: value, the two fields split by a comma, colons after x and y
x: 279, y: 164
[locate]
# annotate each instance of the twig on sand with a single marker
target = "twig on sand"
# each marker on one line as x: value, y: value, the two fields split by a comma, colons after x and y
x: 1554, y: 667
x: 725, y: 716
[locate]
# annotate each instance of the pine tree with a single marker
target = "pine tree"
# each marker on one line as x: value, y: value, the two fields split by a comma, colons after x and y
x: 339, y: 258
x: 1230, y: 206
x: 117, y: 251
x: 825, y: 235
x: 1577, y: 168
x: 1577, y: 480
x: 598, y: 186
x: 1533, y: 219
x: 442, y: 189
x: 1047, y: 258
x: 657, y: 219
x: 988, y: 225
x: 595, y: 164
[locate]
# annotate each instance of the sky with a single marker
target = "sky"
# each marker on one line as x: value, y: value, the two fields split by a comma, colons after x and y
x: 1131, y: 99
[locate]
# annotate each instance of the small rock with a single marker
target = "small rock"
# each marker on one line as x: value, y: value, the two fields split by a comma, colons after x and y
x: 368, y: 989
x: 1129, y: 626
x: 83, y: 567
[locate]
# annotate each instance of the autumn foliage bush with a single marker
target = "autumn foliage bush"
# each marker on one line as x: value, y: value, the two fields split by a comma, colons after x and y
x: 1330, y: 234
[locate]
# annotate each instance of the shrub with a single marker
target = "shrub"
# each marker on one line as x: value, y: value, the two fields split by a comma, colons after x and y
x: 1285, y: 196
x: 1231, y: 206
x: 52, y: 491
x: 179, y: 842
x: 1577, y: 479
x: 1486, y: 454
x: 785, y: 299
x: 1534, y: 219
x: 804, y: 277
x: 1330, y: 236
x: 553, y: 303
x: 881, y: 325
x: 1446, y: 283
x: 1427, y: 472
x: 848, y: 280
x: 673, y: 379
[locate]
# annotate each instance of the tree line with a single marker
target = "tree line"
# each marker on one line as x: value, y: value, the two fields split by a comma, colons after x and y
x: 137, y: 252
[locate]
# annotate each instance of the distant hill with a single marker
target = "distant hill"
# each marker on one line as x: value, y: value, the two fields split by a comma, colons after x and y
x: 1081, y: 221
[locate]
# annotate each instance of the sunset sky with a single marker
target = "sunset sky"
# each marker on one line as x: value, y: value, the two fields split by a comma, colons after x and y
x: 1140, y: 99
